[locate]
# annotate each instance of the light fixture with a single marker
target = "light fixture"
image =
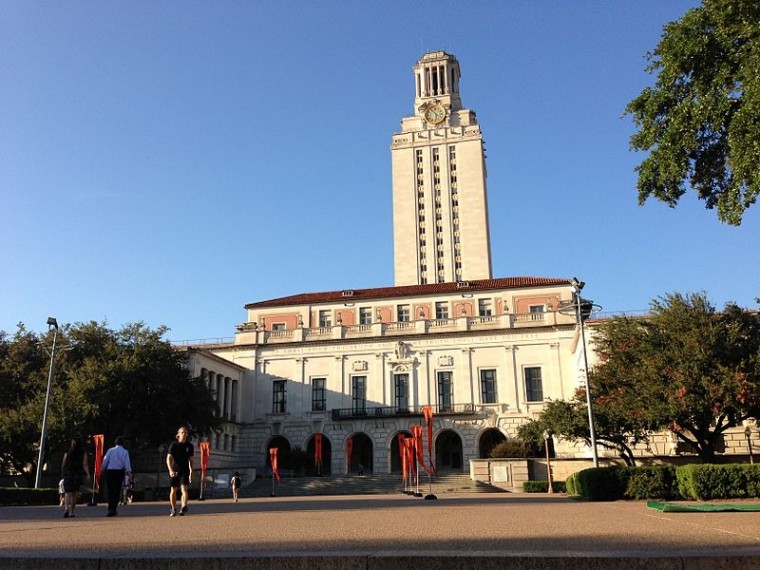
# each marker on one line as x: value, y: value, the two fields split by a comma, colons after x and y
x: 52, y: 323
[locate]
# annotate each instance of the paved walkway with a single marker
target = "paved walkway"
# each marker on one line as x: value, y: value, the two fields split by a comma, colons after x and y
x: 371, y: 531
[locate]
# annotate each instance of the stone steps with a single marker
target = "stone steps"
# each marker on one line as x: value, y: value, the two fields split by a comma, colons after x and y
x: 362, y: 485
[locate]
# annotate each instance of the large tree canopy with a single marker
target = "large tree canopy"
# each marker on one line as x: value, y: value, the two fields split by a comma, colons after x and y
x: 116, y: 382
x: 700, y: 121
x: 687, y: 368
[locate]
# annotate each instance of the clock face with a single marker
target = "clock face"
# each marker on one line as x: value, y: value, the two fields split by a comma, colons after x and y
x: 435, y: 114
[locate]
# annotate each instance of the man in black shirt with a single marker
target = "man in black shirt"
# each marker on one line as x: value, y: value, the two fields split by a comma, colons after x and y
x: 179, y: 460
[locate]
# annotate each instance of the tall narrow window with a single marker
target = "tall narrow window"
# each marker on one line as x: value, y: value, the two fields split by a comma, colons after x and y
x: 359, y: 394
x: 445, y: 392
x: 534, y: 390
x: 318, y: 400
x: 488, y: 387
x: 325, y: 320
x: 279, y: 397
x: 401, y: 392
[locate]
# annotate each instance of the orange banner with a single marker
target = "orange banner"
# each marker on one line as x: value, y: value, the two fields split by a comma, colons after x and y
x: 205, y: 452
x: 97, y: 441
x: 349, y: 451
x: 273, y: 460
x: 410, y: 462
x: 317, y: 449
x: 402, y: 455
x: 418, y: 447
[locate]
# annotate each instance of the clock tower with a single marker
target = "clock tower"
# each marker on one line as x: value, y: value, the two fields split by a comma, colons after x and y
x: 440, y: 210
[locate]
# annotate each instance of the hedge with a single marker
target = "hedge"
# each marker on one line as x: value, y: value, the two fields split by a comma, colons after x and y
x: 696, y: 482
x: 704, y: 482
x: 543, y: 486
x: 24, y: 496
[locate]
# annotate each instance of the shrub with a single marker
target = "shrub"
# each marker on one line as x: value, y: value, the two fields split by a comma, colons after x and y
x: 602, y: 483
x: 704, y: 482
x: 511, y: 448
x: 571, y: 485
x: 543, y: 486
x: 651, y: 483
x: 22, y: 496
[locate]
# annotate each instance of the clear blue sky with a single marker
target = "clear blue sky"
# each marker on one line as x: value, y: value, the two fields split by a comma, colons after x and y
x: 171, y: 161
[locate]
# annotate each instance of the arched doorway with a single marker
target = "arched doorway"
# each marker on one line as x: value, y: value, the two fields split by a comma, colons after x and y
x: 283, y: 448
x: 326, y: 456
x: 396, y: 452
x: 448, y: 451
x: 361, y: 454
x: 489, y: 439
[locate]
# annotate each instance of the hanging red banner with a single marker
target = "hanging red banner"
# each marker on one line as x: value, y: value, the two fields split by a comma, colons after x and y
x: 97, y: 441
x: 349, y: 451
x: 418, y: 447
x: 427, y: 413
x: 273, y: 461
x: 205, y: 453
x: 317, y: 449
x: 410, y: 461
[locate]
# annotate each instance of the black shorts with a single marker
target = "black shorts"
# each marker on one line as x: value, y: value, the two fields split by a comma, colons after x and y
x: 182, y: 478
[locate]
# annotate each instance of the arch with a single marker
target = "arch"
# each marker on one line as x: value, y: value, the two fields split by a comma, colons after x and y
x: 361, y: 454
x: 281, y: 443
x: 489, y: 439
x: 448, y: 451
x: 395, y: 461
x: 326, y: 468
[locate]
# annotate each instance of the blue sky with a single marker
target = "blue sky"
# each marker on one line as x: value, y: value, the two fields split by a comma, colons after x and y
x: 169, y: 162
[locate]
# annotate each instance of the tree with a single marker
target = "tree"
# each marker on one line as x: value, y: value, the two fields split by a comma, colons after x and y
x: 686, y: 368
x: 614, y: 428
x: 116, y: 382
x: 701, y: 119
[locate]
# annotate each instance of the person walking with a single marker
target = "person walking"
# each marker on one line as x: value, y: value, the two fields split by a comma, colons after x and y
x: 179, y: 461
x: 74, y: 467
x: 116, y: 465
x: 235, y: 482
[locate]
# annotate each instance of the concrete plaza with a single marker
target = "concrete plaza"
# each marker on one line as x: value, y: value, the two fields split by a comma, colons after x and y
x: 388, y: 531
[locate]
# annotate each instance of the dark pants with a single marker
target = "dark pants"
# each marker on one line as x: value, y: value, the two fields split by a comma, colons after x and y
x: 114, y: 481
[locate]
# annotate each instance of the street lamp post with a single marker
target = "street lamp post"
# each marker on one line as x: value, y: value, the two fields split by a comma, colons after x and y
x: 547, y: 437
x: 577, y: 287
x: 54, y: 324
x: 748, y: 437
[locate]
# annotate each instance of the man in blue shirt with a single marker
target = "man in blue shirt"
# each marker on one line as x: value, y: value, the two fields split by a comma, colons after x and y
x: 115, y: 465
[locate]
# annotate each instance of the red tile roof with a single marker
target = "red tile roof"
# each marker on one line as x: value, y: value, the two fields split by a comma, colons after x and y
x: 409, y: 291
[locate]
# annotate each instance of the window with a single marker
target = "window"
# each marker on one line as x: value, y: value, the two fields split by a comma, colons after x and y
x: 488, y: 386
x: 401, y: 394
x: 365, y: 315
x: 445, y: 392
x: 485, y: 307
x: 278, y: 397
x: 359, y: 394
x: 534, y: 391
x: 402, y: 313
x: 278, y: 326
x: 325, y: 320
x: 441, y: 310
x: 536, y: 312
x: 318, y: 402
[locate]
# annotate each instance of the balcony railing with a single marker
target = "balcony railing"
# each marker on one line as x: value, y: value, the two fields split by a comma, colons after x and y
x: 250, y: 334
x: 376, y: 412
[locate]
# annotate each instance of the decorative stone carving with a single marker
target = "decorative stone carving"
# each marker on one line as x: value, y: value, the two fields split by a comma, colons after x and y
x: 360, y: 365
x: 445, y: 361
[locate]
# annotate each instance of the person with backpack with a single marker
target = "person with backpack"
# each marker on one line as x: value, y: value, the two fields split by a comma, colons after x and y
x: 235, y: 483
